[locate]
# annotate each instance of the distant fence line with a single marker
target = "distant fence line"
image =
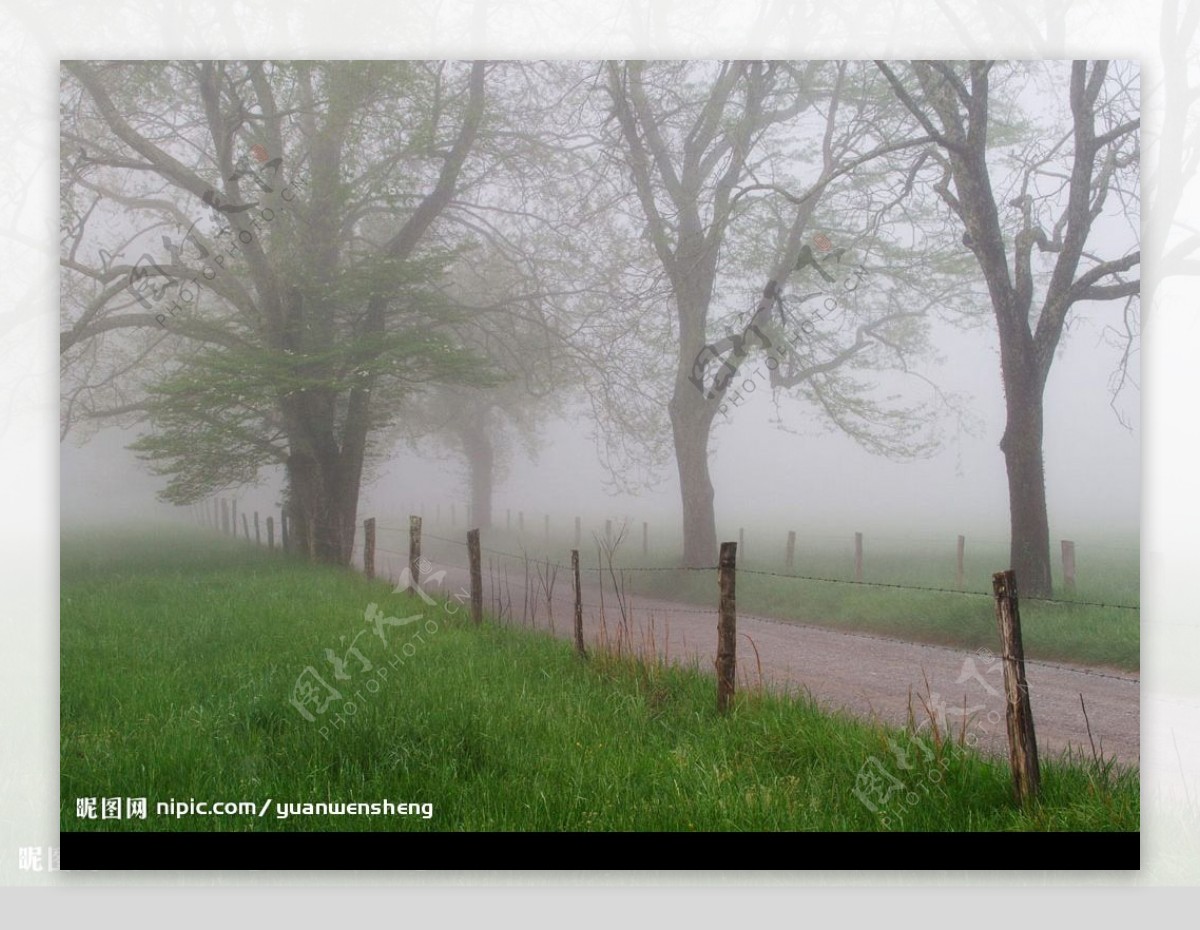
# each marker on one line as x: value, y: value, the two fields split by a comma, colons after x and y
x: 221, y: 514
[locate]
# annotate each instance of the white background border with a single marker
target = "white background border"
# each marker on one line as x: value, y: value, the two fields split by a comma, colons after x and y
x: 34, y: 36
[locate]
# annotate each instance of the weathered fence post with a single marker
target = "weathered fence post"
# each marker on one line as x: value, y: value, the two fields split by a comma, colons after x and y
x: 233, y: 518
x: 858, y: 574
x: 271, y: 533
x: 579, y: 647
x: 645, y: 538
x: 727, y: 627
x: 1022, y: 744
x: 476, y: 575
x: 1068, y: 557
x: 960, y: 575
x: 257, y: 534
x: 369, y: 548
x: 414, y: 553
x: 790, y: 556
x: 246, y: 525
x: 283, y: 530
x: 224, y: 516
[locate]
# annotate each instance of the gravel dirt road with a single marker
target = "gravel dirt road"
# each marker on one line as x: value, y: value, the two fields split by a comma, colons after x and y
x: 867, y: 675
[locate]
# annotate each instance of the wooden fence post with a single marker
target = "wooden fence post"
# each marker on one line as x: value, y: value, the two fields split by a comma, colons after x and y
x: 790, y: 555
x: 233, y: 518
x: 960, y: 576
x: 1068, y: 557
x: 858, y: 573
x: 579, y: 647
x: 246, y: 525
x: 283, y: 530
x: 271, y: 533
x: 257, y: 534
x: 476, y: 576
x: 414, y: 553
x: 727, y: 627
x: 369, y: 548
x: 1022, y: 744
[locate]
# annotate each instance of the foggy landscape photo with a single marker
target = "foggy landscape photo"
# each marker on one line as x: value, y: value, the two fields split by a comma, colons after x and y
x: 598, y: 446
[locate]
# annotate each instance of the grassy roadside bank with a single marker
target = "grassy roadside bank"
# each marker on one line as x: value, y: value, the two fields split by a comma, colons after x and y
x: 180, y: 653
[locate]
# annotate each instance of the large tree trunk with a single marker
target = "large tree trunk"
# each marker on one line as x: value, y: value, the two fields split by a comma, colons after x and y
x: 481, y: 461
x: 322, y: 508
x: 691, y: 425
x: 1022, y: 448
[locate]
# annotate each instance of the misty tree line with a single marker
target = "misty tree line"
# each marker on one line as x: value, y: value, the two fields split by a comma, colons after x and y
x: 299, y: 264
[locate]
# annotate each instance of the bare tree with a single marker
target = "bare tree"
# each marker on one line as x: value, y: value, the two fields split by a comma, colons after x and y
x: 715, y: 147
x: 1063, y: 188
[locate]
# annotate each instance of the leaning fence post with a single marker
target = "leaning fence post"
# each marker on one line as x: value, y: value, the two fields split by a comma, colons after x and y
x: 414, y: 553
x: 1022, y: 744
x: 283, y: 530
x: 858, y: 573
x: 1068, y: 559
x: 579, y: 647
x: 476, y: 575
x: 257, y: 534
x: 727, y: 627
x: 246, y: 525
x: 271, y: 533
x: 369, y: 548
x: 790, y: 555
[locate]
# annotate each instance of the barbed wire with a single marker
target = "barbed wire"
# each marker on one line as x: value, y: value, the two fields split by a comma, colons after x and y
x: 931, y: 589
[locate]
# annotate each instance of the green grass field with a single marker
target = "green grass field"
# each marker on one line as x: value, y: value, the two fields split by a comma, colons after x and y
x: 180, y: 651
